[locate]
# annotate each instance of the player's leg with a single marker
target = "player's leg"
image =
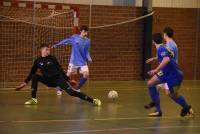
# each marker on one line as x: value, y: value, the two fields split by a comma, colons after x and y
x: 163, y: 86
x: 166, y: 88
x: 34, y: 86
x: 154, y: 94
x: 72, y: 70
x: 84, y: 71
x: 58, y: 89
x: 65, y: 86
x: 71, y: 73
x: 179, y: 99
x: 155, y: 97
x: 174, y: 83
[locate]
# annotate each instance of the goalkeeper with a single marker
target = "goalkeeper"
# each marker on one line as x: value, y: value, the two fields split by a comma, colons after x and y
x: 52, y: 76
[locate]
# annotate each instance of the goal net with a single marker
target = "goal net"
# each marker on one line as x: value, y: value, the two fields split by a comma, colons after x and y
x: 22, y: 31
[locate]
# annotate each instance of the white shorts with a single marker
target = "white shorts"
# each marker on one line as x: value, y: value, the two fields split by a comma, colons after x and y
x: 164, y: 86
x: 73, y: 69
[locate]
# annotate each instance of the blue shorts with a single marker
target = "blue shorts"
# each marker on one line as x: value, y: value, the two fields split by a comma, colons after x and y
x: 173, y: 81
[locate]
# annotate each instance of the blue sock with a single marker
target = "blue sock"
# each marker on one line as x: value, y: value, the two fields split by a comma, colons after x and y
x: 81, y: 82
x: 155, y: 97
x: 181, y: 101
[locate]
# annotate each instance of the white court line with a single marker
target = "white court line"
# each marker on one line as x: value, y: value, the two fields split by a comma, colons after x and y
x: 97, y: 119
x: 121, y: 129
x: 102, y: 89
x: 52, y: 90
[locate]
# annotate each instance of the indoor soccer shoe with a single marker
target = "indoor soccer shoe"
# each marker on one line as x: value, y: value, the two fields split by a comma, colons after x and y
x: 32, y: 101
x: 59, y: 92
x: 191, y: 111
x: 97, y: 102
x: 150, y: 105
x: 187, y: 111
x: 155, y: 114
x: 78, y: 90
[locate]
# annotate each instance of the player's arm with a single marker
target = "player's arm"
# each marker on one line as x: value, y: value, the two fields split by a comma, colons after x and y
x: 151, y: 60
x: 89, y: 59
x: 64, y: 42
x: 164, y: 62
x: 29, y: 77
x: 32, y: 72
x: 166, y: 59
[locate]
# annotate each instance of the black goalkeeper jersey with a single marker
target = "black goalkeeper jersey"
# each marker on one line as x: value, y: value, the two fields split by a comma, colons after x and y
x: 49, y: 67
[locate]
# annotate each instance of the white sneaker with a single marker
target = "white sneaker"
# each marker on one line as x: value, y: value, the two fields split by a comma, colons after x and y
x: 59, y: 93
x: 78, y: 90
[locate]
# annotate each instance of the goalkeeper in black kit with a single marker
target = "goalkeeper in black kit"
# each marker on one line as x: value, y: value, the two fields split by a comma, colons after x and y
x: 52, y: 75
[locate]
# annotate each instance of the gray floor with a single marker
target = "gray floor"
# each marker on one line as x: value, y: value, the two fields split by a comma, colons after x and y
x: 126, y: 115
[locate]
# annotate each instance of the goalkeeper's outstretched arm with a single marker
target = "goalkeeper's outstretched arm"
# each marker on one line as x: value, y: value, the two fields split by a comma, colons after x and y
x: 32, y: 72
x: 28, y: 78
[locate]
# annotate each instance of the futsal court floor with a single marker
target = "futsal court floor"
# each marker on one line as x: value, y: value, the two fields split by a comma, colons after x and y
x: 126, y: 115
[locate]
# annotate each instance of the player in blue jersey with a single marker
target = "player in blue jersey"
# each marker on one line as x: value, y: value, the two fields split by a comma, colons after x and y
x: 168, y: 34
x: 80, y: 55
x: 166, y: 72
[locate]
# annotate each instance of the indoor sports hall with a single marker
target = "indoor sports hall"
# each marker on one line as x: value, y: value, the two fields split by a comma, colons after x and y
x: 136, y: 62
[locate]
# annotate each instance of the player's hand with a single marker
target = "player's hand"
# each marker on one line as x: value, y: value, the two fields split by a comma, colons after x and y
x: 149, y: 60
x: 89, y: 62
x: 152, y: 72
x: 20, y: 86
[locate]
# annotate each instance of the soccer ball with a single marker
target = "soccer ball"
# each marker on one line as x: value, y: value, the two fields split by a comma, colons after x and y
x: 112, y: 94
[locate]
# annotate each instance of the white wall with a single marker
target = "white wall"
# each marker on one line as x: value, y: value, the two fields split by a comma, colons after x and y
x: 177, y: 3
x: 85, y: 2
x: 156, y: 3
x: 173, y: 3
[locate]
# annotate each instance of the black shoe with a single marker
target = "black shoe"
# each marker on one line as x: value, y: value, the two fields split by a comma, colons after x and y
x: 150, y: 105
x: 187, y: 111
x: 155, y: 114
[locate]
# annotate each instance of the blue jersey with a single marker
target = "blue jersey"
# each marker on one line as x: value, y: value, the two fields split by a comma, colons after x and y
x: 80, y: 49
x: 173, y: 47
x: 171, y: 72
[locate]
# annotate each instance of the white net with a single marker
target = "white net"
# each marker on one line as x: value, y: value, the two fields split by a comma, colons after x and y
x: 22, y: 31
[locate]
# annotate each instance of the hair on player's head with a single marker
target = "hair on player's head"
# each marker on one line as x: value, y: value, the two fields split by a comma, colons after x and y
x: 169, y: 32
x: 85, y: 28
x: 43, y: 46
x: 157, y: 38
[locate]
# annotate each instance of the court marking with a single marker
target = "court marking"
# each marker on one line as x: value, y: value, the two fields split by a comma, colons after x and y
x: 97, y: 119
x: 102, y: 89
x: 120, y: 129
